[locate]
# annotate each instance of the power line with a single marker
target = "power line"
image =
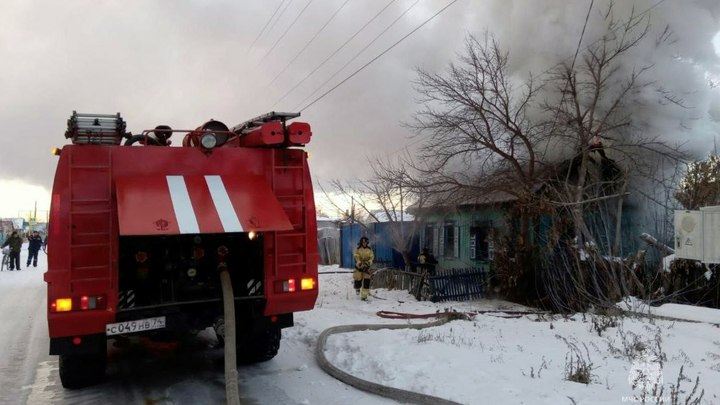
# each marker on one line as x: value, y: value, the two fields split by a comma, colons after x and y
x: 309, y: 42
x: 582, y: 34
x: 282, y: 12
x: 572, y: 67
x: 266, y: 25
x: 360, y: 52
x: 332, y: 54
x: 286, y: 31
x: 380, y: 55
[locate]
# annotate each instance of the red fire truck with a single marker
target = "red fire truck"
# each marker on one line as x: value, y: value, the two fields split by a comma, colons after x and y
x: 138, y: 230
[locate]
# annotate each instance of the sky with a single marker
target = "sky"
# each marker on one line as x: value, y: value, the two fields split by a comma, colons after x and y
x: 182, y: 63
x: 490, y: 358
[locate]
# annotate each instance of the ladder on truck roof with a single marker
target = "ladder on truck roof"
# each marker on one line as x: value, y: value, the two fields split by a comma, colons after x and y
x: 97, y: 129
x: 261, y: 119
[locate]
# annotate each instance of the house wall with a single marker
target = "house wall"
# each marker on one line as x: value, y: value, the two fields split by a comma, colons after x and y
x: 466, y: 227
x: 466, y: 221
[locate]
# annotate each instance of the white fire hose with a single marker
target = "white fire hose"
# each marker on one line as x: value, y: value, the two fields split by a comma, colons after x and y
x: 232, y: 393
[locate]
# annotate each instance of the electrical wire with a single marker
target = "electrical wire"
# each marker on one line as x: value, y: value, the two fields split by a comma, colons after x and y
x: 266, y: 25
x: 572, y: 68
x: 358, y: 53
x: 332, y: 54
x: 379, y: 55
x: 282, y: 12
x: 286, y: 31
x: 308, y: 43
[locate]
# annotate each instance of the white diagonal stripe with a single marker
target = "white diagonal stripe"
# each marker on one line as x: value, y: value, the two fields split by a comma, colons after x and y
x: 187, y: 222
x: 221, y: 199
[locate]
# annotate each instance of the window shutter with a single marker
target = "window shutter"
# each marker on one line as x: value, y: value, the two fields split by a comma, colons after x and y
x: 456, y: 242
x: 440, y: 245
x: 473, y: 243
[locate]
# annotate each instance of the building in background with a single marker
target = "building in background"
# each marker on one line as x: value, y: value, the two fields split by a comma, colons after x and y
x: 328, y: 240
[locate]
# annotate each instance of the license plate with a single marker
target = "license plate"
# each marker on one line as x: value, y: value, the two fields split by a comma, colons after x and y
x: 139, y: 325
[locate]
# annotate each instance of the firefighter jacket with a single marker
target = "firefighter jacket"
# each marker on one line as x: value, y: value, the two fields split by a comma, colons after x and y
x: 15, y: 243
x: 363, y: 258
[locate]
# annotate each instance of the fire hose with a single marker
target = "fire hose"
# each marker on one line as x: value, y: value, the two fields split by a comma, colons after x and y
x: 375, y: 388
x: 232, y: 392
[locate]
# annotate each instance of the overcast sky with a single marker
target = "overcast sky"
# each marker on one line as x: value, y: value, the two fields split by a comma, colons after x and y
x: 181, y: 63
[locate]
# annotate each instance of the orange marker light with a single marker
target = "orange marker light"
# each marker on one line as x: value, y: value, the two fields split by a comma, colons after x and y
x: 63, y: 304
x: 307, y: 283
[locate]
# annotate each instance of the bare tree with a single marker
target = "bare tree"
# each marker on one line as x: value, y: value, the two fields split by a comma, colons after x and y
x: 701, y: 186
x: 384, y: 196
x: 481, y: 141
x: 595, y: 116
x: 567, y: 156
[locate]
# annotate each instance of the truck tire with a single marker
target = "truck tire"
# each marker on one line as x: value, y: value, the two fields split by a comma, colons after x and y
x: 82, y: 370
x: 262, y: 345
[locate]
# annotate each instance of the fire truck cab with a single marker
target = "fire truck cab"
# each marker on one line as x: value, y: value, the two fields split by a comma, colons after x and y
x: 139, y: 228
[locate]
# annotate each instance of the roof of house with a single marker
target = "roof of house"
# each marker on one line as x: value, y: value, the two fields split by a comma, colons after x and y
x: 493, y: 194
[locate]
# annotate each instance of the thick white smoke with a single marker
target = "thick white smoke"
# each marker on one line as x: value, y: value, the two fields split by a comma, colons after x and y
x: 540, y: 34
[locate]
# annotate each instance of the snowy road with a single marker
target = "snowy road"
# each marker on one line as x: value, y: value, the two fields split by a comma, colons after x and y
x: 150, y: 373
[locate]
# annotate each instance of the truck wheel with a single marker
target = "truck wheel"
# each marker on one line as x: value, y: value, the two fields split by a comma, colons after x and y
x: 262, y: 345
x: 82, y: 370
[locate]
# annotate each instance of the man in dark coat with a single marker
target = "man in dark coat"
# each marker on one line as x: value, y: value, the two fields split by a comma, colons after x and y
x: 15, y: 242
x: 34, y: 244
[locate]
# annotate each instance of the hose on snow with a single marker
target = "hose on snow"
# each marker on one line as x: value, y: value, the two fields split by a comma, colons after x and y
x: 375, y: 388
x: 232, y: 392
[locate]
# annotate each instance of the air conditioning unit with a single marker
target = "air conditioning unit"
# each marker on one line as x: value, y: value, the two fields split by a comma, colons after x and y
x: 689, y: 234
x: 697, y: 234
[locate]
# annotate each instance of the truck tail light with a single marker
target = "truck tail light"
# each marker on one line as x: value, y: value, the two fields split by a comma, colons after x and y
x: 82, y: 303
x: 307, y: 284
x: 293, y: 285
x: 87, y: 302
x: 61, y: 305
x: 283, y: 286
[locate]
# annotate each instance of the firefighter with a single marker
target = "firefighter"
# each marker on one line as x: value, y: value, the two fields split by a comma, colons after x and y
x: 15, y: 242
x: 363, y: 260
x: 426, y: 261
x: 35, y: 242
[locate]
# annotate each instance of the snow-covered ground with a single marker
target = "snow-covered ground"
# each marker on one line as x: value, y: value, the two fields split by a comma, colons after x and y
x: 525, y: 360
x: 488, y: 359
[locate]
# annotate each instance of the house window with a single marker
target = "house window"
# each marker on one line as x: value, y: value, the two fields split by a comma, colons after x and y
x: 428, y: 239
x: 481, y: 242
x: 451, y: 239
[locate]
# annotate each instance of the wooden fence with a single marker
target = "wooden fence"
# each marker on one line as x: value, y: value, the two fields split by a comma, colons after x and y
x: 459, y: 284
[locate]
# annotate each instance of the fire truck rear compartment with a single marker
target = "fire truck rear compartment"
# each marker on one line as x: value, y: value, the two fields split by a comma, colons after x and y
x: 177, y: 276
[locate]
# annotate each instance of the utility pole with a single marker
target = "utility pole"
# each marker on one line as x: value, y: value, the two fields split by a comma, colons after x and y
x: 402, y: 217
